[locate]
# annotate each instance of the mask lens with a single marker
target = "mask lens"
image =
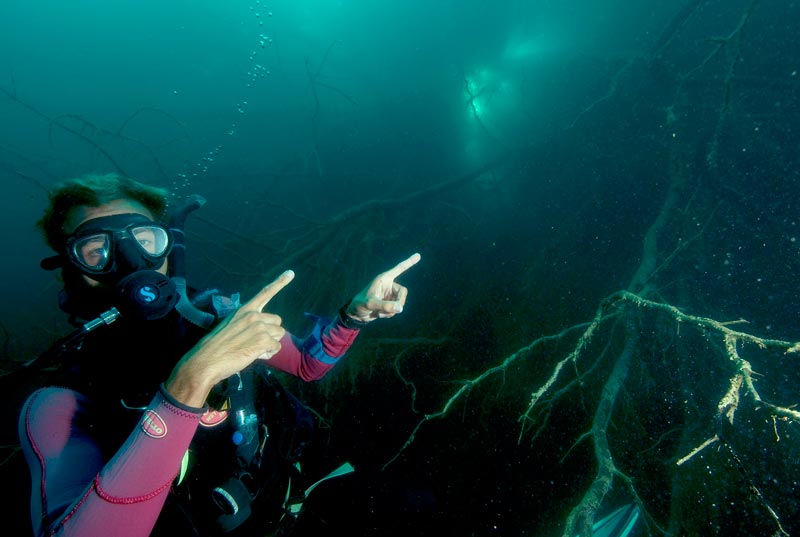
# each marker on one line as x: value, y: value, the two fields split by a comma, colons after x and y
x: 152, y: 239
x: 92, y: 251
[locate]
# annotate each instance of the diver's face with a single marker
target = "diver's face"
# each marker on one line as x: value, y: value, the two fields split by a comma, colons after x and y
x: 82, y: 214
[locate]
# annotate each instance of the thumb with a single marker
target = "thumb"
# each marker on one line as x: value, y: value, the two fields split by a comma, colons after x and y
x: 384, y: 306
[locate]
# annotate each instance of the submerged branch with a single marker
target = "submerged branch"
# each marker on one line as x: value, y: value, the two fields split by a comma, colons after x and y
x: 54, y: 122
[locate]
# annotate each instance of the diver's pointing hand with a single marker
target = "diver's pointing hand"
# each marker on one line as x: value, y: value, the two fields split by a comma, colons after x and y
x: 242, y: 337
x: 383, y: 298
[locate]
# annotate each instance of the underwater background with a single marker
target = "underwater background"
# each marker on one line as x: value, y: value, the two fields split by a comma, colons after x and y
x: 604, y: 194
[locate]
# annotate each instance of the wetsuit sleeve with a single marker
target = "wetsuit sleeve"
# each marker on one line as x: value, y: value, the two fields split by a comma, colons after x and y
x: 74, y: 492
x: 311, y: 358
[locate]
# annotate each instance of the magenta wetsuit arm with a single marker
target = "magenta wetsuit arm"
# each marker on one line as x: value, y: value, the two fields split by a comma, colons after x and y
x: 311, y: 358
x: 74, y: 492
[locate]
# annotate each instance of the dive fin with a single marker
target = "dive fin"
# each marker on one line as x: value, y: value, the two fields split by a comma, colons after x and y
x: 620, y: 523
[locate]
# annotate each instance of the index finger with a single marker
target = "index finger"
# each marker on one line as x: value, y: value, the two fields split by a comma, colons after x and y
x: 262, y: 298
x: 403, y: 266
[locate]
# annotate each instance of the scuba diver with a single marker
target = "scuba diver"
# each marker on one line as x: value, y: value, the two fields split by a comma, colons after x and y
x: 165, y: 416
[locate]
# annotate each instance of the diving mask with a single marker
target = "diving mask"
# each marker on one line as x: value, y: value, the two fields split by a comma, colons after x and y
x: 108, y: 248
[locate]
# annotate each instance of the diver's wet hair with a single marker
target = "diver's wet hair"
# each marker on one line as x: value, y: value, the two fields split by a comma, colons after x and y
x: 93, y: 191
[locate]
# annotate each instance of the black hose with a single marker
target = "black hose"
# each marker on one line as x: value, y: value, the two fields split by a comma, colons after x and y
x: 177, y: 262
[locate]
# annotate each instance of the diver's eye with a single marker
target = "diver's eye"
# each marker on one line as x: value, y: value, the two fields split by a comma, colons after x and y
x: 95, y: 257
x: 92, y: 251
x: 152, y: 239
x: 146, y: 239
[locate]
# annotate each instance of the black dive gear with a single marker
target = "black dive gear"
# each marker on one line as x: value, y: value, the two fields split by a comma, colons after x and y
x: 109, y: 248
x: 146, y: 295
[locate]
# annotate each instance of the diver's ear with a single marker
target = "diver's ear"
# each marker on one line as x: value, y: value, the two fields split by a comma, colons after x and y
x: 52, y: 263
